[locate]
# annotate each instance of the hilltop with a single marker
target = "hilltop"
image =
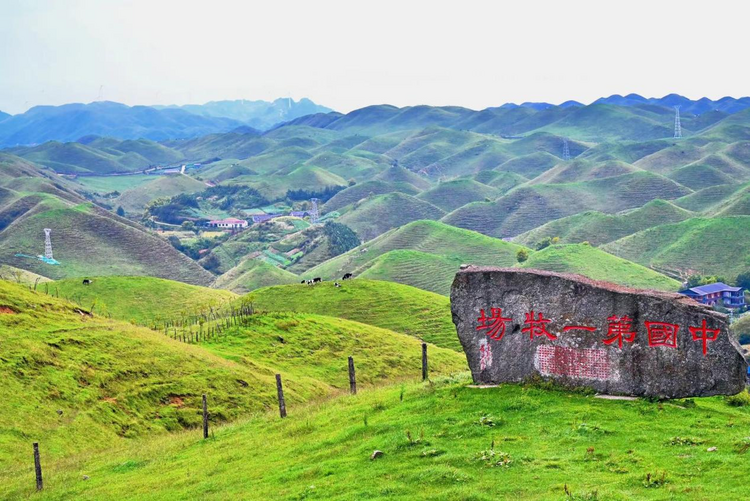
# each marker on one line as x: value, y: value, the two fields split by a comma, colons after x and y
x: 453, y: 245
x: 393, y: 306
x: 583, y: 259
x: 253, y: 274
x: 144, y: 300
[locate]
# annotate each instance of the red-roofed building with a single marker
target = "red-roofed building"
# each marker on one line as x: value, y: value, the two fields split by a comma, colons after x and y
x: 229, y: 223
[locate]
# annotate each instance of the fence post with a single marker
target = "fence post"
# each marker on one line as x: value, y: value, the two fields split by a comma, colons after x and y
x: 38, y: 467
x: 280, y: 391
x: 205, y: 418
x: 352, y: 377
x: 424, y: 361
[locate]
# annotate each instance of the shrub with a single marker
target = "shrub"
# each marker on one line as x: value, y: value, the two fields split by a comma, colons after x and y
x: 741, y: 399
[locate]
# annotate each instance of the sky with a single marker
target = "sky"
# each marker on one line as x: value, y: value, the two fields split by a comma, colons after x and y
x: 350, y: 54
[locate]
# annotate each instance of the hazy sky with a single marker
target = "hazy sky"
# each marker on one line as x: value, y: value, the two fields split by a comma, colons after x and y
x: 350, y: 54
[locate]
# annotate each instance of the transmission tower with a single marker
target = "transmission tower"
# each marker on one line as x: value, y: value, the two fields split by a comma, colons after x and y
x: 677, y: 126
x: 566, y: 150
x: 314, y: 214
x: 47, y: 244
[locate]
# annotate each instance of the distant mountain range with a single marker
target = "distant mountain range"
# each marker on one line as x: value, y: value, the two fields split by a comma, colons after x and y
x: 260, y: 115
x: 725, y: 104
x: 71, y: 122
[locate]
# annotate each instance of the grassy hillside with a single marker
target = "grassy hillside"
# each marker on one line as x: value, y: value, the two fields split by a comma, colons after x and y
x: 135, y: 199
x: 528, y: 207
x: 88, y: 241
x: 253, y: 274
x: 715, y: 246
x: 389, y: 305
x: 111, y: 380
x: 360, y: 191
x: 451, y: 195
x: 141, y: 299
x: 376, y: 215
x: 429, y: 237
x: 594, y: 263
x: 598, y: 228
x: 429, y: 272
x: 442, y: 440
x: 706, y: 198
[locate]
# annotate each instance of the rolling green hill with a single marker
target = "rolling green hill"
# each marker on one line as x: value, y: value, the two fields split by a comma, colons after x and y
x: 737, y: 204
x: 431, y: 237
x: 451, y: 195
x: 140, y: 299
x: 583, y: 259
x: 528, y: 207
x: 110, y: 380
x: 426, y: 271
x: 376, y: 215
x: 359, y: 191
x: 253, y: 274
x: 598, y: 228
x: 442, y: 440
x: 135, y: 199
x: 706, y: 246
x: 389, y: 305
x: 706, y: 198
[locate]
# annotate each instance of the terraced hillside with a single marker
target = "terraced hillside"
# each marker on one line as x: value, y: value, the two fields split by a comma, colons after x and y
x: 426, y: 271
x: 79, y: 383
x: 135, y: 199
x: 598, y: 228
x: 583, y: 259
x: 140, y: 299
x: 715, y: 246
x: 454, y: 194
x: 389, y: 305
x: 374, y: 216
x: 528, y: 207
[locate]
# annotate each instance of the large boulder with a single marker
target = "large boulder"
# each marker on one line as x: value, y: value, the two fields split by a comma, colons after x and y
x: 517, y: 324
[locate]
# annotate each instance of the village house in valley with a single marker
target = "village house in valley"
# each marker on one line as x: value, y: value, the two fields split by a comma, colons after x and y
x: 229, y: 223
x: 721, y: 293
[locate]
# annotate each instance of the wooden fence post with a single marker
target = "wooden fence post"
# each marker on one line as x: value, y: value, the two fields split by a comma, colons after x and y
x: 38, y: 467
x: 280, y: 391
x: 424, y: 361
x: 352, y: 377
x: 205, y: 418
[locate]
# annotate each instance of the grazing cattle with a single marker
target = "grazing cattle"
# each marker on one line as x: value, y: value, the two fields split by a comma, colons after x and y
x: 347, y: 276
x: 86, y: 281
x: 309, y: 282
x: 336, y: 284
x: 316, y: 280
x: 303, y: 281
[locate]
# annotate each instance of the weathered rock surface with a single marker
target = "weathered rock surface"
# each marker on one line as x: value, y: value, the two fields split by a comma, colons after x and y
x: 516, y: 324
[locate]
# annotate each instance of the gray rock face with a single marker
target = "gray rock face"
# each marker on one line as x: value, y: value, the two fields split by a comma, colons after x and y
x: 515, y: 324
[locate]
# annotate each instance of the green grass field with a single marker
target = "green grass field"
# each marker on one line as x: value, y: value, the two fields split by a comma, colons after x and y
x: 111, y: 380
x: 144, y: 300
x: 441, y: 440
x: 389, y: 305
x: 108, y: 184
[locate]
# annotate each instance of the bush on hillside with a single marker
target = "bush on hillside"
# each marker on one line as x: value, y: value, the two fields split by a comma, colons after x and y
x: 743, y: 280
x: 522, y: 255
x: 341, y: 238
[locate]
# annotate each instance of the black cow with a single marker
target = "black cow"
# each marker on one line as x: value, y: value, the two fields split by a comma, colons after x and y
x: 347, y: 276
x: 86, y: 281
x: 302, y: 282
x: 316, y: 280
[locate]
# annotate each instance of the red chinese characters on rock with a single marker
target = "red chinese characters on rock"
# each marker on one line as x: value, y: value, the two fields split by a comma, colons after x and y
x: 702, y: 334
x: 619, y: 330
x: 662, y: 334
x: 537, y: 326
x: 494, y: 324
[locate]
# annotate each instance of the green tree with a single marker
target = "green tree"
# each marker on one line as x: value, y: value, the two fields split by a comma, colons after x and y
x: 188, y: 226
x: 522, y: 255
x: 743, y: 280
x: 341, y: 238
x: 546, y: 242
